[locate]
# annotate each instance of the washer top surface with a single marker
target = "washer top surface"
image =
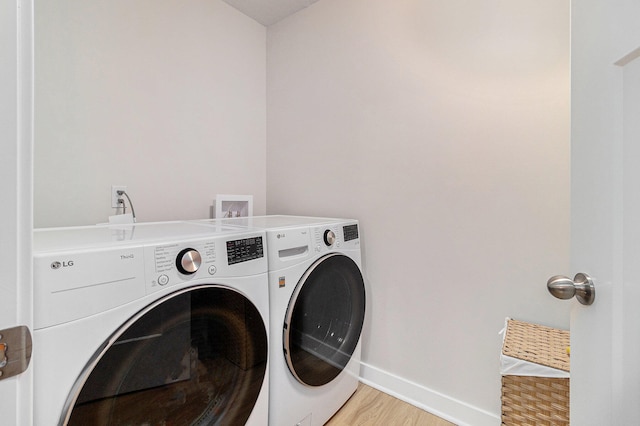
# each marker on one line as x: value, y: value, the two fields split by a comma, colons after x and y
x: 97, y: 236
x: 274, y: 221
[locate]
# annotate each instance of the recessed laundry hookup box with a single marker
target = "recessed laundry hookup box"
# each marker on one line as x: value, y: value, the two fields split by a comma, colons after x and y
x: 535, y: 375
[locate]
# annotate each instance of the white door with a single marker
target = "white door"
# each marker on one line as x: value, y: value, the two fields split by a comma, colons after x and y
x: 605, y: 216
x: 16, y: 88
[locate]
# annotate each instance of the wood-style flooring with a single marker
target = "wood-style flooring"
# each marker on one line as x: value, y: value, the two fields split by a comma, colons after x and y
x: 370, y: 407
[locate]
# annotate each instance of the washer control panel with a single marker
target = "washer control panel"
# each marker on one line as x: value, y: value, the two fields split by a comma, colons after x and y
x: 289, y: 245
x: 335, y: 237
x: 350, y: 232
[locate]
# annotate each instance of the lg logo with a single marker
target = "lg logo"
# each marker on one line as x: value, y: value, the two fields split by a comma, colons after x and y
x: 58, y: 265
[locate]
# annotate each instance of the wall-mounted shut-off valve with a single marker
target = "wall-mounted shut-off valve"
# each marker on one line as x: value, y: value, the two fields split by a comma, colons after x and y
x: 565, y: 288
x: 117, y: 192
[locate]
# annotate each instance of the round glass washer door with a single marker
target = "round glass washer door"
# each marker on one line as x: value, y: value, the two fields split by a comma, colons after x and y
x: 324, y: 320
x: 195, y: 357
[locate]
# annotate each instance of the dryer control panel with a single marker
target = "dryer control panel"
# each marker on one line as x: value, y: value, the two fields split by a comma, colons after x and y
x: 179, y: 262
x: 244, y: 249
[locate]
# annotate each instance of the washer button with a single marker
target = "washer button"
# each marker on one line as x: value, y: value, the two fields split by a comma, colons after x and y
x: 163, y: 280
x: 212, y: 269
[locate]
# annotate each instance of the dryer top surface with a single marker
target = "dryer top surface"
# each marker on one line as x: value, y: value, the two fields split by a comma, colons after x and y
x: 101, y: 236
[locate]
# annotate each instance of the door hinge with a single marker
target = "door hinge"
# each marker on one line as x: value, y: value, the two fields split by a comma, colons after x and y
x: 15, y: 351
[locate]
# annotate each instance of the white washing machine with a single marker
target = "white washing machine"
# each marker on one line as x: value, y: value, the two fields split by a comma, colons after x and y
x: 317, y: 308
x: 150, y: 324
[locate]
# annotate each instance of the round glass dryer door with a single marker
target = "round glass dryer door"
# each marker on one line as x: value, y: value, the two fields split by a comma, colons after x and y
x: 195, y: 357
x: 324, y: 320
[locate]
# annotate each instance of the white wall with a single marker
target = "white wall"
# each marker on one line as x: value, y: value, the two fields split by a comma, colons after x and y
x: 167, y: 98
x: 444, y: 127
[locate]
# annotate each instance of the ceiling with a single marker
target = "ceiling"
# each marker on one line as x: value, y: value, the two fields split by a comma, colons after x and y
x: 269, y: 12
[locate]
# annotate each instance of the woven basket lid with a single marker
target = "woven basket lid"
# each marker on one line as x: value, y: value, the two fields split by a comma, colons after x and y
x: 537, y: 343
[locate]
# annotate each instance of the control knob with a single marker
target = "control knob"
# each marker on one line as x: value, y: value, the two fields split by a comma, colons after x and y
x: 188, y: 261
x: 329, y: 237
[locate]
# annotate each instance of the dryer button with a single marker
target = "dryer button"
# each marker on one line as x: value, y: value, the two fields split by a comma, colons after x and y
x: 188, y: 261
x: 212, y: 269
x: 329, y: 237
x: 163, y: 280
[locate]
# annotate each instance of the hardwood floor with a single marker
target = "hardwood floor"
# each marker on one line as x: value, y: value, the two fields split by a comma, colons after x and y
x: 370, y: 407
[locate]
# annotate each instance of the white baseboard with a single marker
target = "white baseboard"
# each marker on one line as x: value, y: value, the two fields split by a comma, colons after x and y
x: 427, y: 399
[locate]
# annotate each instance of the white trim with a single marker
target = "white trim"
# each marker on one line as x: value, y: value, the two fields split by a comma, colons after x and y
x: 24, y: 195
x: 434, y: 402
x: 24, y: 166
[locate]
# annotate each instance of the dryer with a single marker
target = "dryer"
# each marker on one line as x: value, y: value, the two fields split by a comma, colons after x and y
x: 157, y: 323
x: 317, y: 308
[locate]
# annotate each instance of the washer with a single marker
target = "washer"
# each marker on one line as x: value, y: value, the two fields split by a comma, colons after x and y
x: 158, y: 323
x: 317, y: 308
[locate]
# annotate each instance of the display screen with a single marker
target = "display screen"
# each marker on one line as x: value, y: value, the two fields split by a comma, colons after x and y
x: 244, y: 249
x: 350, y: 232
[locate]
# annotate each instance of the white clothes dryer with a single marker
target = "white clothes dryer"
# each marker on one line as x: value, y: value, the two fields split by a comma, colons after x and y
x: 317, y: 308
x: 150, y: 324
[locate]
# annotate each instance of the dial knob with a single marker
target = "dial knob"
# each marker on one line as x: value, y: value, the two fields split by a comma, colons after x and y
x: 329, y: 237
x: 188, y: 261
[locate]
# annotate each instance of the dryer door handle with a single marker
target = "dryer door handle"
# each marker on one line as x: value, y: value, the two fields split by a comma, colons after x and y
x: 15, y: 351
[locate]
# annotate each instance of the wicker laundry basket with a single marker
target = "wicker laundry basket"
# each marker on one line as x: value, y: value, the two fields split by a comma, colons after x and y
x: 533, y: 400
